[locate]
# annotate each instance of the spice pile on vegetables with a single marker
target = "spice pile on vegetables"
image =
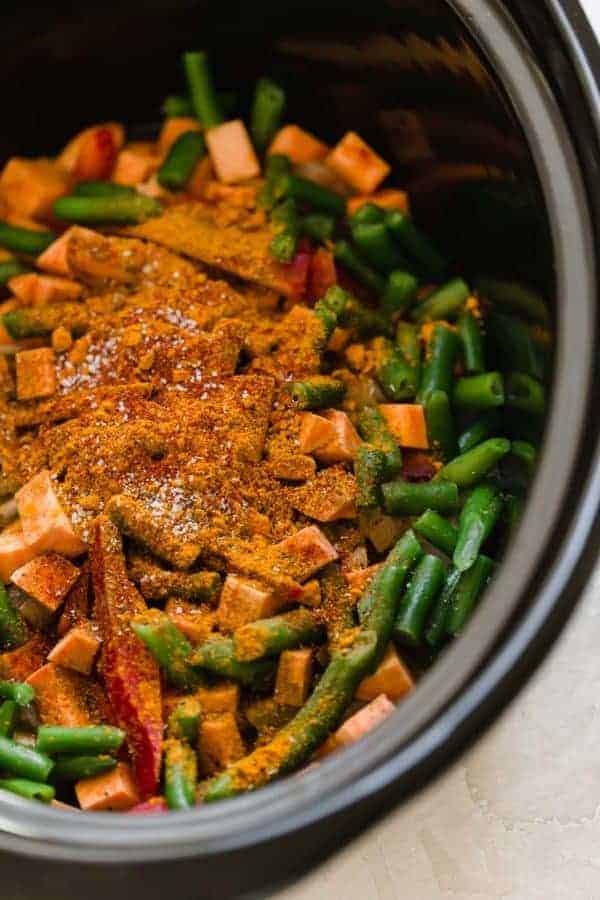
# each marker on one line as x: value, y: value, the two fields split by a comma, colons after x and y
x: 260, y: 444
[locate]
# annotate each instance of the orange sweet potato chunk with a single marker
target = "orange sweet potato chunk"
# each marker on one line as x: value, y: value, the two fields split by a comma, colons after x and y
x: 45, y: 524
x: 14, y: 550
x: 35, y: 289
x: 298, y: 145
x: 407, y: 423
x: 391, y: 678
x: 220, y: 742
x: 390, y: 198
x: 54, y: 259
x: 310, y: 549
x: 32, y: 185
x: 48, y: 579
x: 345, y: 443
x: 115, y: 790
x: 358, y: 164
x: 59, y: 696
x: 77, y: 650
x: 242, y: 601
x: 36, y: 375
x: 134, y: 165
x: 294, y: 672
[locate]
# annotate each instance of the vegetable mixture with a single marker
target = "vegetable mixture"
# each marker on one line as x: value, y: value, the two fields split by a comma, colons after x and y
x: 261, y: 443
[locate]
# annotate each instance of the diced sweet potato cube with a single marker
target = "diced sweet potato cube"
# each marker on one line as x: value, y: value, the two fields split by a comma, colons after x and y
x: 36, y: 375
x: 222, y: 698
x: 220, y: 742
x: 407, y: 423
x: 203, y: 173
x: 391, y: 198
x: 36, y: 289
x: 327, y: 497
x: 19, y: 664
x: 365, y: 720
x: 242, y: 601
x: 115, y: 790
x: 359, y: 579
x: 311, y: 594
x: 322, y: 275
x: 46, y: 526
x: 391, y: 678
x: 294, y: 674
x: 358, y: 163
x: 77, y: 650
x: 292, y: 466
x: 48, y: 579
x: 194, y: 621
x: 298, y: 145
x: 315, y: 432
x: 134, y: 165
x: 91, y: 154
x: 173, y: 128
x: 232, y: 153
x: 54, y: 258
x: 59, y: 696
x: 32, y: 185
x: 310, y: 549
x: 14, y: 550
x: 344, y: 445
x: 242, y: 195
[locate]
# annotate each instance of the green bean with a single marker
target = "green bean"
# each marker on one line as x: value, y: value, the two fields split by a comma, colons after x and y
x: 484, y: 427
x: 22, y: 694
x: 424, y: 586
x: 276, y: 165
x: 477, y: 520
x: 24, y: 761
x: 526, y: 453
x: 396, y: 378
x: 437, y: 530
x: 9, y: 715
x: 178, y: 167
x: 314, y: 195
x: 467, y: 590
x: 318, y: 226
x: 217, y: 656
x: 365, y: 320
x: 40, y: 321
x: 483, y: 391
x: 283, y: 246
x: 316, y: 392
x: 181, y: 774
x: 470, y: 467
x: 525, y: 393
x: 269, y: 637
x: 102, y: 189
x: 56, y: 740
x: 514, y: 346
x: 515, y: 297
x: 409, y: 344
x: 176, y: 107
x: 73, y: 768
x: 438, y: 370
x: 469, y: 332
x: 32, y: 790
x: 445, y: 303
x: 440, y: 424
x: 13, y: 630
x: 9, y: 268
x: 284, y: 217
x: 370, y: 467
x: 375, y: 244
x: 346, y: 255
x: 436, y: 629
x: 267, y: 109
x: 417, y: 244
x: 373, y: 429
x: 400, y: 291
x: 200, y: 84
x: 367, y: 214
x: 125, y: 209
x: 168, y: 645
x: 184, y: 721
x: 330, y: 309
x: 404, y: 498
x: 29, y: 241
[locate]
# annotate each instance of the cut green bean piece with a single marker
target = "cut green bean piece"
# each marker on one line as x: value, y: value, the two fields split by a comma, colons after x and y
x: 181, y: 774
x: 484, y: 427
x: 441, y: 432
x: 472, y: 466
x: 438, y: 620
x: 39, y: 321
x: 32, y: 790
x: 438, y: 370
x: 515, y: 297
x: 9, y: 716
x: 367, y: 214
x: 283, y: 246
x: 525, y: 393
x: 56, y: 740
x: 373, y: 429
x: 375, y: 244
x: 268, y: 637
x: 513, y: 345
x: 526, y: 453
x: 396, y: 378
x: 22, y: 694
x: 184, y: 721
x: 417, y: 244
x: 168, y: 645
x: 276, y: 165
x: 217, y: 655
x: 484, y: 391
x: 347, y: 256
x: 29, y: 241
x: 176, y: 107
x: 126, y: 209
x: 437, y: 530
x: 424, y: 586
x: 315, y: 195
x: 102, y: 189
x: 73, y: 768
x: 318, y: 226
x: 200, y: 84
x: 24, y: 761
x: 467, y: 591
x: 370, y: 467
x: 445, y: 303
x: 10, y: 268
x: 404, y: 498
x: 331, y: 308
x: 400, y: 291
x: 178, y: 167
x: 409, y: 343
x: 469, y: 332
x: 316, y: 392
x: 13, y: 630
x: 477, y: 520
x: 267, y: 109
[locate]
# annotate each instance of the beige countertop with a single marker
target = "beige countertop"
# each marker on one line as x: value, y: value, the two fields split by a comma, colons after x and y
x: 518, y: 817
